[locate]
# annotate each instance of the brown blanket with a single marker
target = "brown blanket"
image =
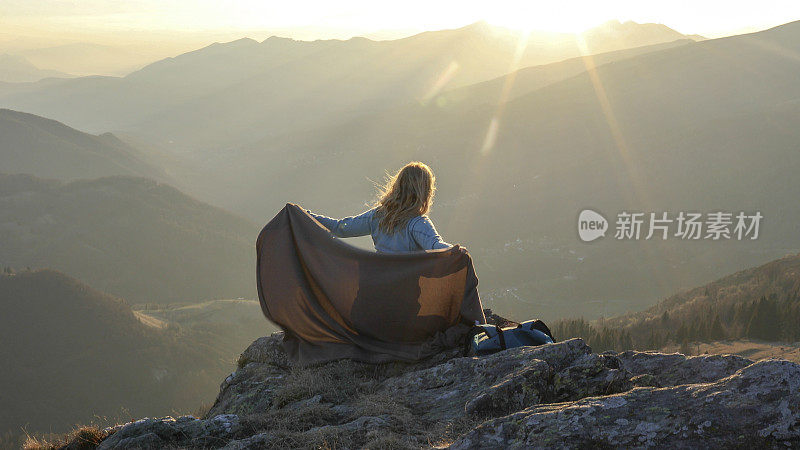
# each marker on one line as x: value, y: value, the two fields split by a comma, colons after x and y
x: 337, y: 301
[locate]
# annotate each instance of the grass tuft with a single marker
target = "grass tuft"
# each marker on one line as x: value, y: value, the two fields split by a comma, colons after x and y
x: 83, y: 438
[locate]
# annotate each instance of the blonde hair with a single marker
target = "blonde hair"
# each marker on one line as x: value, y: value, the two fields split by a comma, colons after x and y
x: 406, y: 194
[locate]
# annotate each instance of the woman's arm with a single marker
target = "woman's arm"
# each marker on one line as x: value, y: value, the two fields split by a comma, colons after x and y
x: 360, y: 225
x: 423, y: 231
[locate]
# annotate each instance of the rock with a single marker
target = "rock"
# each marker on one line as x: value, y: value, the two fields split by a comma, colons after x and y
x: 756, y: 407
x: 249, y: 389
x: 494, y: 384
x: 183, y: 431
x: 265, y: 350
x: 674, y: 368
x: 300, y: 404
x: 147, y: 440
x: 557, y: 395
x: 540, y: 382
x: 367, y: 423
x: 587, y: 376
x: 261, y: 440
x: 520, y: 389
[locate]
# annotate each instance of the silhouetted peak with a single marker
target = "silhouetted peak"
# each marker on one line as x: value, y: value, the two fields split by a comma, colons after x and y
x: 238, y: 43
x: 243, y: 41
x: 274, y: 39
x: 110, y: 138
x: 359, y: 39
x: 616, y: 27
x: 480, y: 26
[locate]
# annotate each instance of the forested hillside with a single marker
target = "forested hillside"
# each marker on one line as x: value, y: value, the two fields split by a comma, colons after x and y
x: 761, y: 303
x: 133, y: 237
x: 74, y: 354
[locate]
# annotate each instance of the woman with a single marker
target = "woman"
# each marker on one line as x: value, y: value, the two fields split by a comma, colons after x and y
x: 398, y: 222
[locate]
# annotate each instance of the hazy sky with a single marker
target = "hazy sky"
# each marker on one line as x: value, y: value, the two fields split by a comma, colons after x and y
x: 341, y: 18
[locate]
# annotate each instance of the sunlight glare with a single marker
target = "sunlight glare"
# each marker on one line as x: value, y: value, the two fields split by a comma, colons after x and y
x: 508, y: 83
x: 534, y: 16
x: 441, y: 82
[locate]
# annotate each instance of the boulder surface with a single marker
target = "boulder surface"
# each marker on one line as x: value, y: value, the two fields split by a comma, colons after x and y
x: 558, y: 395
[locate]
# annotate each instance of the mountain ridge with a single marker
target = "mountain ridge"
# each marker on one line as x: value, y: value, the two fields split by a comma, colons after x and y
x: 758, y: 307
x: 386, y: 72
x: 134, y: 237
x: 50, y: 149
x: 17, y: 69
x: 79, y: 353
x: 688, y: 116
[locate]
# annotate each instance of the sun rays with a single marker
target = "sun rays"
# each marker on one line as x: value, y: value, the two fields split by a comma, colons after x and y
x: 441, y: 82
x: 633, y: 182
x: 476, y: 161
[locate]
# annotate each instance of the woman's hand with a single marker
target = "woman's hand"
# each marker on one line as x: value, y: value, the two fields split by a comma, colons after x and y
x: 460, y: 249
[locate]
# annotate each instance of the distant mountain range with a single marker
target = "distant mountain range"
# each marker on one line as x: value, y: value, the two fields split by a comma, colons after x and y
x: 636, y: 117
x: 88, y: 59
x: 672, y: 126
x: 49, y: 149
x: 529, y: 79
x: 132, y: 237
x: 235, y: 93
x: 17, y: 69
x: 76, y: 355
x: 704, y: 126
x: 616, y: 35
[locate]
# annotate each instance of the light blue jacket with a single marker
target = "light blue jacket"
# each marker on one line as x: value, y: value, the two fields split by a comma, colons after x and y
x: 418, y: 233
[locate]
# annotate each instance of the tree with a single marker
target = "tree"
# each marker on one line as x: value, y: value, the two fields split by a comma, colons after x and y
x: 682, y: 333
x: 715, y: 331
x: 764, y: 323
x: 686, y: 349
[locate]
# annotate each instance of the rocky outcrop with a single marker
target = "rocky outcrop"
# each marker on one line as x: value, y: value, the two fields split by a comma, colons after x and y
x: 556, y: 395
x: 185, y: 430
x: 757, y: 407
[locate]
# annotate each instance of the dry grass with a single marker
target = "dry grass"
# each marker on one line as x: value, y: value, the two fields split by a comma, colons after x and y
x: 288, y: 428
x: 201, y: 410
x: 355, y: 386
x: 336, y: 382
x: 10, y: 439
x: 340, y: 381
x: 83, y: 438
x: 316, y: 424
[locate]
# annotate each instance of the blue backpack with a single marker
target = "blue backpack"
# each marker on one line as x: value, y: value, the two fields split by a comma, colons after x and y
x: 488, y: 339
